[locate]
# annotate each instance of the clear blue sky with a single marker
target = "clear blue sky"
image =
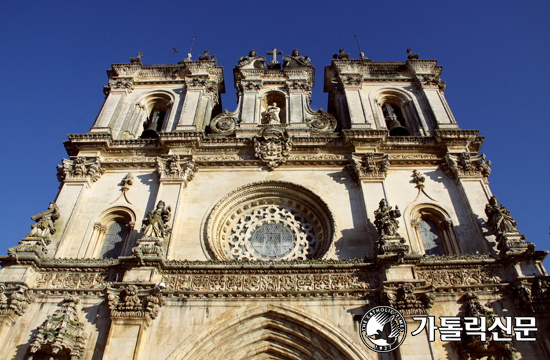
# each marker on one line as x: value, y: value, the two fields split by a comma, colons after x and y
x: 54, y: 57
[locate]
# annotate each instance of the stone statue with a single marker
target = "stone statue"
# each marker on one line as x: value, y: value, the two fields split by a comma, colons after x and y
x: 45, y: 222
x: 155, y: 223
x: 295, y: 60
x: 499, y: 218
x: 385, y: 219
x: 243, y: 60
x: 272, y: 114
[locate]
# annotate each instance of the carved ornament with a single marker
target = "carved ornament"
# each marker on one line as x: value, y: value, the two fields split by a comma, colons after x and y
x: 532, y: 296
x: 352, y: 81
x: 62, y: 332
x: 249, y: 86
x: 464, y: 165
x: 460, y: 277
x: 313, y: 284
x: 224, y: 123
x: 322, y: 122
x: 124, y: 84
x: 408, y: 299
x: 471, y: 346
x: 80, y: 169
x: 369, y: 165
x: 132, y: 301
x: 389, y: 242
x: 418, y: 179
x: 15, y: 300
x: 76, y: 279
x: 299, y: 86
x: 504, y: 227
x: 272, y: 147
x: 174, y: 168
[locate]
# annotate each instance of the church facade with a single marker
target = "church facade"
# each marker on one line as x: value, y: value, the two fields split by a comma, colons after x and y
x: 183, y: 230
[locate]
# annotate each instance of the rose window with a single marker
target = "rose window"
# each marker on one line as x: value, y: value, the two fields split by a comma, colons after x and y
x: 269, y: 221
x: 273, y: 240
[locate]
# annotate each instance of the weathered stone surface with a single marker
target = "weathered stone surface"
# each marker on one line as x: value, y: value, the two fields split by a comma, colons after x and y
x: 280, y: 243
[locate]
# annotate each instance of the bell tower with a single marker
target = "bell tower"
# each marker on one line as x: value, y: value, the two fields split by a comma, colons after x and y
x: 405, y: 98
x: 273, y: 94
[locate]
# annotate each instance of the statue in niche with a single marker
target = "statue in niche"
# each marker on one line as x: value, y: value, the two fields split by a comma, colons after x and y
x: 499, y: 218
x: 155, y: 223
x: 271, y: 116
x: 385, y: 219
x: 45, y: 222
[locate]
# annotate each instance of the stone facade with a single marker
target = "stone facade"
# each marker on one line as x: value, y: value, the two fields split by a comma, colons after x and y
x: 183, y: 230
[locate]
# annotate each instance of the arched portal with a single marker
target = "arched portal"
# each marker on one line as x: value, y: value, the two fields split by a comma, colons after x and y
x: 270, y: 332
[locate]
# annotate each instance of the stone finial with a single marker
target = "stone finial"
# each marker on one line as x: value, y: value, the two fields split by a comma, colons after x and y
x: 136, y: 60
x: 127, y: 182
x: 274, y: 64
x: 418, y: 179
x: 62, y: 332
x: 412, y: 56
x: 206, y: 56
x: 341, y: 55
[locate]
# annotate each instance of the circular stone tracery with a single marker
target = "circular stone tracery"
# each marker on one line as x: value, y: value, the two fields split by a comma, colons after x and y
x: 269, y: 221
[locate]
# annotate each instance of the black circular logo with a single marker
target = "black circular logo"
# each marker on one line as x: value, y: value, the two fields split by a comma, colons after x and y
x: 383, y: 329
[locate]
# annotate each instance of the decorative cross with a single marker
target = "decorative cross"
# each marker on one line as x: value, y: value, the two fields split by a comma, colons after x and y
x: 274, y: 52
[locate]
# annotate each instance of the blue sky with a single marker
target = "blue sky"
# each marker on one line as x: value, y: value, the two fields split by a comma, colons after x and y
x: 54, y: 56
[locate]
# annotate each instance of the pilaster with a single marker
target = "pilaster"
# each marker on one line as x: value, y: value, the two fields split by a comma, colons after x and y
x: 133, y: 308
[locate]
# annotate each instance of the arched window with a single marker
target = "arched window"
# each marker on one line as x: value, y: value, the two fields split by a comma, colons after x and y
x: 395, y: 121
x: 434, y: 231
x: 431, y: 237
x: 114, y: 240
x: 110, y: 236
x: 157, y: 114
x: 397, y: 110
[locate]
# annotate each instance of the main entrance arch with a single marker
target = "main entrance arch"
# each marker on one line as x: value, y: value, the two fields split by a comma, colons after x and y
x: 270, y: 332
